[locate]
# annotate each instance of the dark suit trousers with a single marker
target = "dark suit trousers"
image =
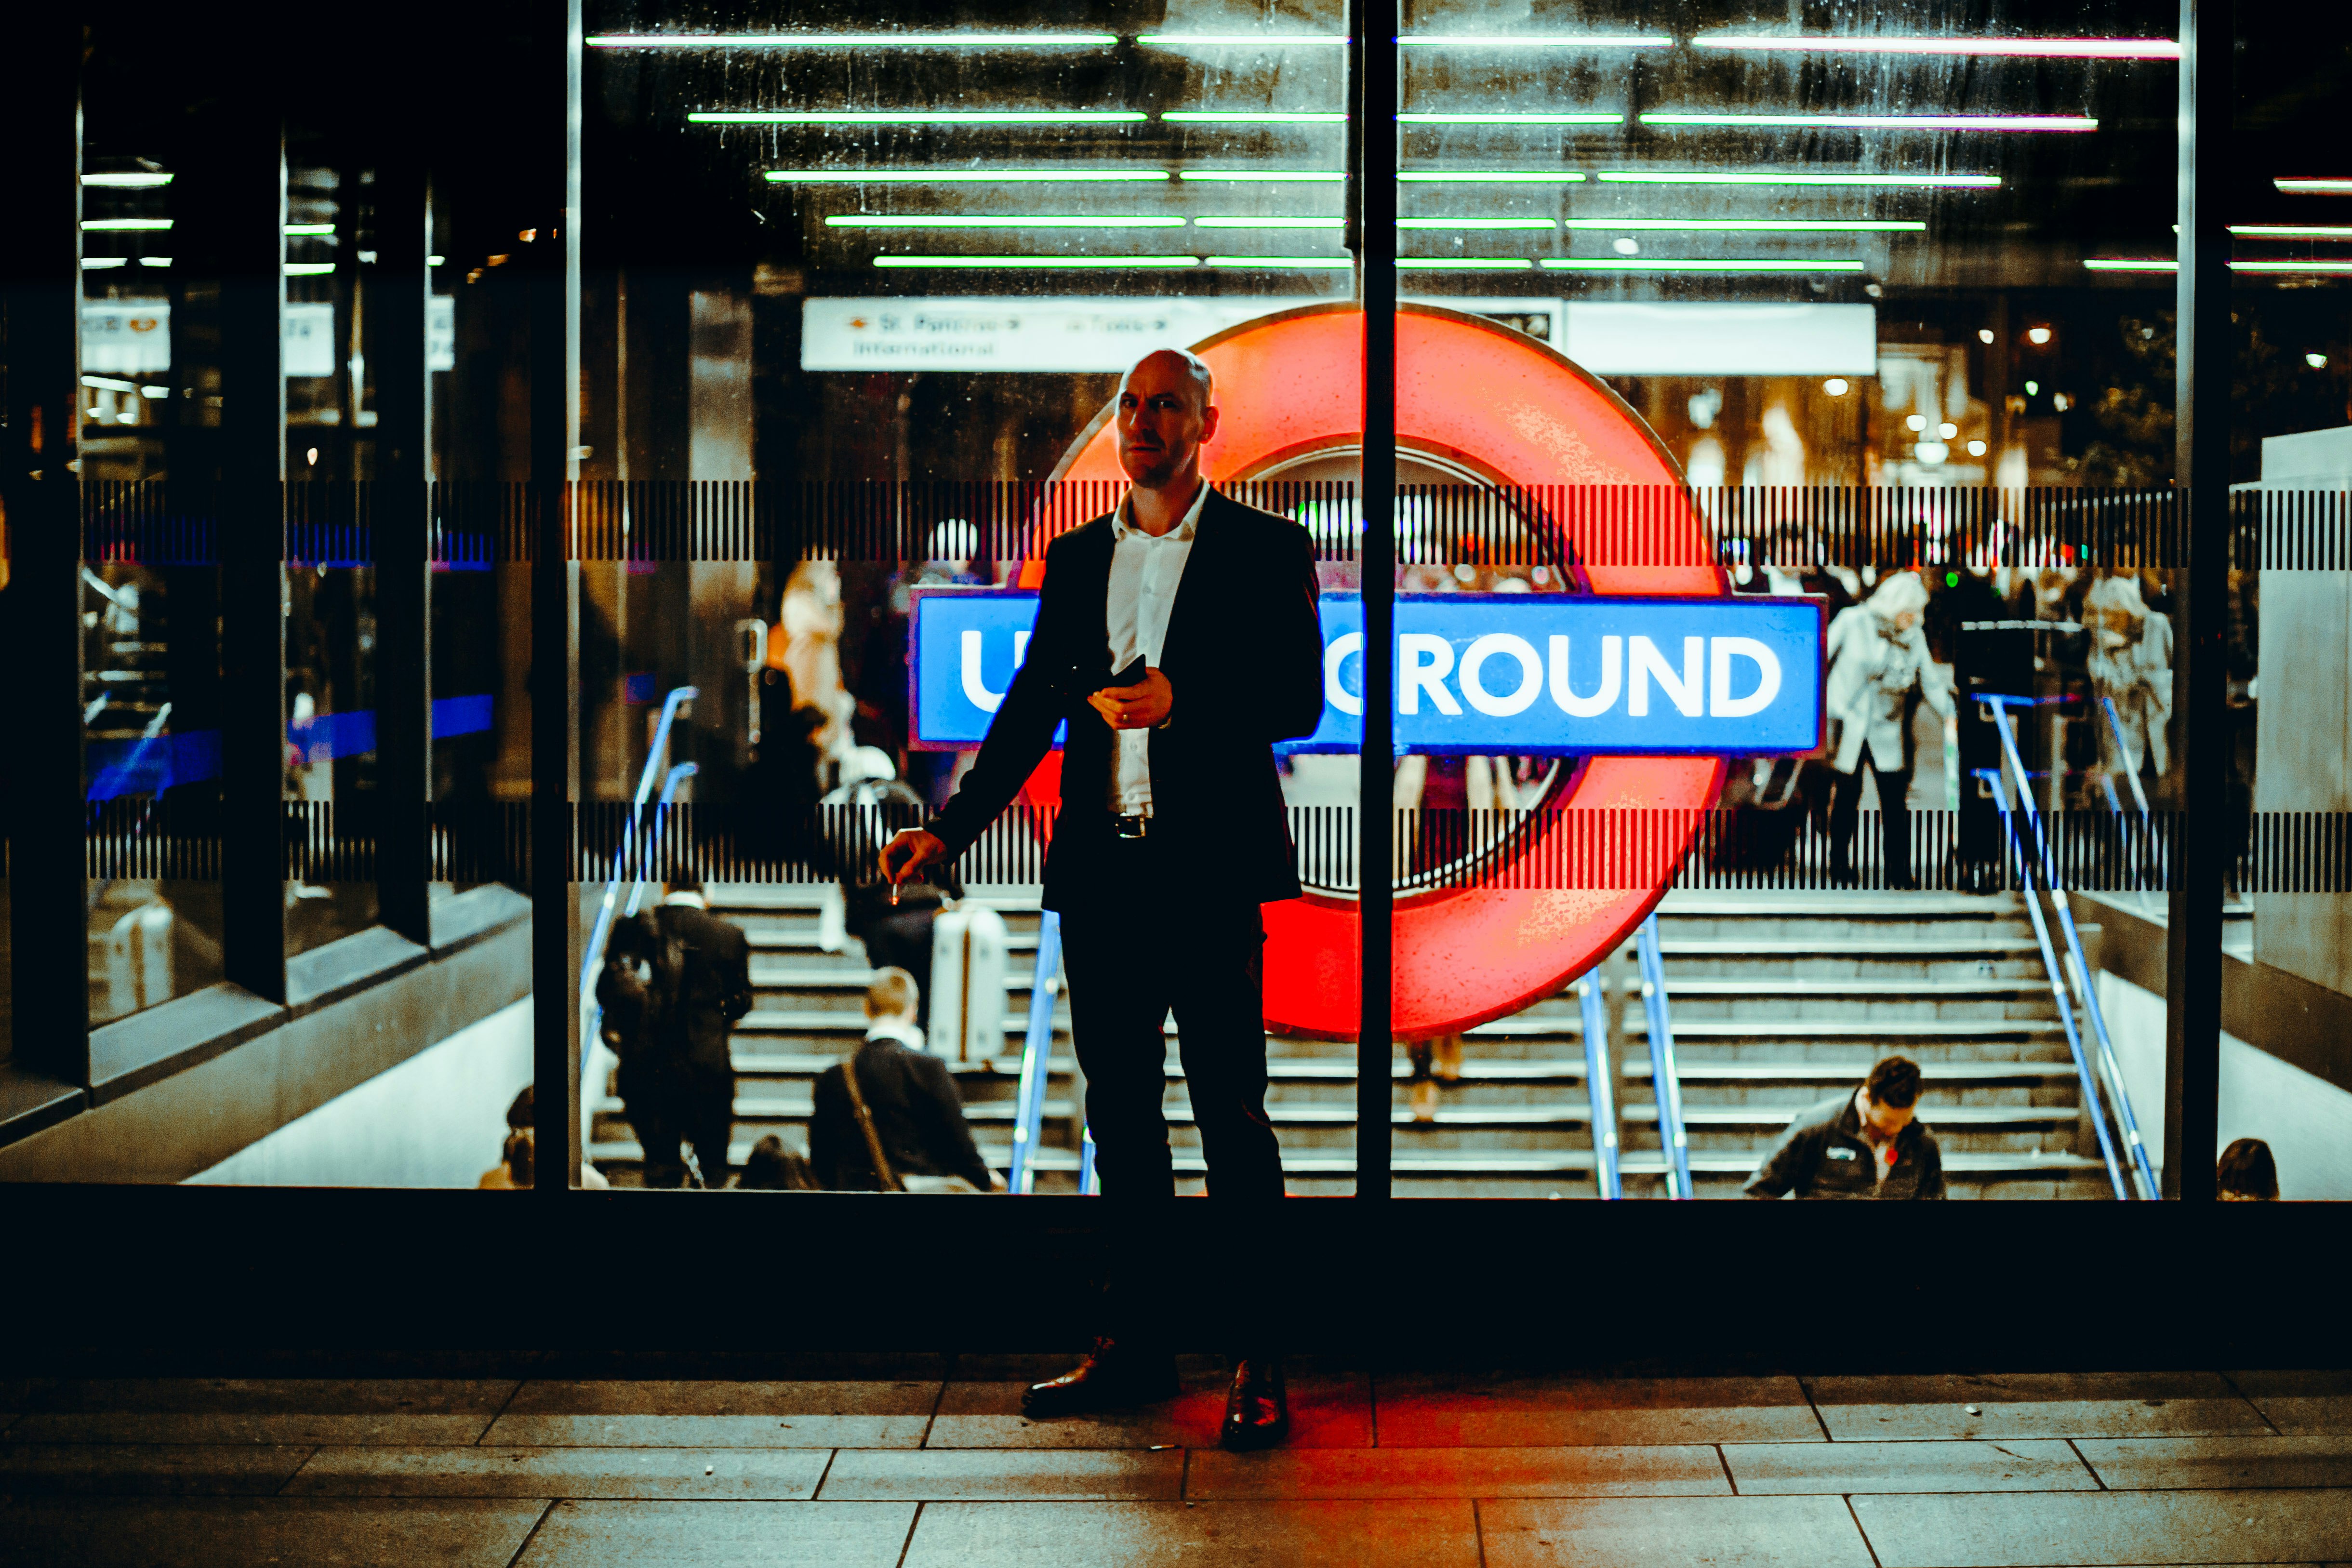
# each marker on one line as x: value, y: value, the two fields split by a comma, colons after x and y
x: 1133, y: 956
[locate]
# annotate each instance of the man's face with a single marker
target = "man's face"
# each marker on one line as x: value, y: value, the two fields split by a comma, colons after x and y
x: 1883, y: 1121
x: 1161, y: 421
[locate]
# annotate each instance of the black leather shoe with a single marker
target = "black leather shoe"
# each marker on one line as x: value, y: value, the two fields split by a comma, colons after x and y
x: 1258, y: 1411
x: 1114, y: 1377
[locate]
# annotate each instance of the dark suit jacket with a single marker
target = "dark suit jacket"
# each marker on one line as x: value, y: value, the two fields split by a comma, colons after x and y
x: 715, y: 991
x: 1244, y: 658
x: 917, y: 1114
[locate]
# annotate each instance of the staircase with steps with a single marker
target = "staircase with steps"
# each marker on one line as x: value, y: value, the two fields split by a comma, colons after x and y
x: 1778, y: 1001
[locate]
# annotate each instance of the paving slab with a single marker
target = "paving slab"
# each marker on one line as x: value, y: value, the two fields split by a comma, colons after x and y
x: 1671, y: 1533
x: 1424, y: 1410
x: 2126, y: 1464
x: 1688, y: 1470
x: 2032, y: 1405
x: 264, y: 1532
x: 736, y: 1474
x: 716, y: 1415
x: 300, y: 1411
x: 1207, y: 1535
x: 1006, y: 1475
x: 2058, y: 1529
x: 149, y: 1469
x: 605, y: 1534
x: 1767, y: 1468
x: 2301, y: 1401
x: 1326, y: 1410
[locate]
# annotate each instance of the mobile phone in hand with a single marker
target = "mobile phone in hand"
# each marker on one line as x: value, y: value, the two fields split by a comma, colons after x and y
x: 1132, y: 675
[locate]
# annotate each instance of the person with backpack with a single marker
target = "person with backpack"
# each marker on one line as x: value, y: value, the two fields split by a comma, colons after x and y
x: 887, y: 1117
x: 677, y: 979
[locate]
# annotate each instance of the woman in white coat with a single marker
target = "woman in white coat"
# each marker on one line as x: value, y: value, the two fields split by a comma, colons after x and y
x: 1877, y: 658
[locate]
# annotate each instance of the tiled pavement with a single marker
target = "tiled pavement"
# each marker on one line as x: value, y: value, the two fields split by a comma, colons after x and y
x: 1427, y: 1470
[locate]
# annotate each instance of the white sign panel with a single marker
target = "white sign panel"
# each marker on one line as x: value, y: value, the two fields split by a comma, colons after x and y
x: 441, y: 332
x: 126, y: 337
x: 1706, y: 337
x: 1011, y: 335
x: 310, y: 340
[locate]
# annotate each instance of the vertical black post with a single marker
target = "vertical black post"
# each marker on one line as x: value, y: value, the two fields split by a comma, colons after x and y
x: 40, y: 189
x: 249, y: 190
x: 1372, y: 185
x: 551, y: 135
x: 2192, y: 976
x: 398, y: 298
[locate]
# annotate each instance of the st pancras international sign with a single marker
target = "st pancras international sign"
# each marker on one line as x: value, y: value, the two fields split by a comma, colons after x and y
x: 1627, y: 689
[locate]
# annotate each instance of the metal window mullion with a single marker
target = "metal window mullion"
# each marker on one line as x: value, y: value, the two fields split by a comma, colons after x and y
x: 398, y: 300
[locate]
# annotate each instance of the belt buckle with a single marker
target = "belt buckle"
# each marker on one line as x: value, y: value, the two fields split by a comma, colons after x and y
x: 1132, y: 826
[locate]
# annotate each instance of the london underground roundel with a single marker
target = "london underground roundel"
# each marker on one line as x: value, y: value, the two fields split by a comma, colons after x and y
x: 1477, y: 399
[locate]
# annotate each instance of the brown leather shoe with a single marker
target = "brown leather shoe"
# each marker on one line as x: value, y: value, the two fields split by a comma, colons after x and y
x: 1257, y: 1410
x: 1114, y: 1377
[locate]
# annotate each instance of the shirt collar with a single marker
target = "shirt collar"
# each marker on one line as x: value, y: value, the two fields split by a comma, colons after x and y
x: 905, y: 1034
x: 686, y: 901
x: 1122, y: 529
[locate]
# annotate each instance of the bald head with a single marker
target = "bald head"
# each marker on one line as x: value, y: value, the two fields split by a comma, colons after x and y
x: 1167, y: 409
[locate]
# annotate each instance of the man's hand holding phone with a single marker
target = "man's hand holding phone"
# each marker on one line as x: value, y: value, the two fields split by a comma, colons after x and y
x: 1137, y: 697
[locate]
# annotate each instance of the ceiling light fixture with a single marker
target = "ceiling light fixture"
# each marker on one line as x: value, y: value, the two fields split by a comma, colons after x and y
x: 309, y: 269
x: 1286, y: 263
x: 1712, y: 177
x: 1535, y: 41
x: 1883, y: 121
x: 136, y: 180
x: 310, y: 229
x: 1270, y: 223
x: 1757, y: 225
x: 849, y: 40
x: 1542, y: 223
x: 1039, y: 263
x: 955, y: 176
x: 2041, y: 49
x: 1510, y: 119
x: 2309, y: 185
x: 1019, y: 221
x: 1223, y: 117
x: 101, y: 263
x: 2129, y: 264
x: 1464, y: 264
x: 98, y: 224
x: 1264, y: 176
x: 1492, y: 177
x: 1747, y: 264
x: 2291, y: 266
x: 2290, y: 230
x: 917, y: 117
x: 1234, y: 40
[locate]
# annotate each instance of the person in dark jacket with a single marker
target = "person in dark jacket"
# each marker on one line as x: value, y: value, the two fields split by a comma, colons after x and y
x: 918, y: 1115
x: 1866, y: 1144
x: 677, y: 1075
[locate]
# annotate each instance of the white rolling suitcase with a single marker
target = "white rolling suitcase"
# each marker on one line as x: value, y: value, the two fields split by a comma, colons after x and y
x: 968, y: 973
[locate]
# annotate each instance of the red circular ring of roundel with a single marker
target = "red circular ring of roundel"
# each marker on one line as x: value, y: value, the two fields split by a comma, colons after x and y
x: 1499, y: 402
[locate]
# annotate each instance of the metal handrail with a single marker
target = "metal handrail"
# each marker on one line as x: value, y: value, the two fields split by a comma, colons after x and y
x: 1036, y: 1055
x: 591, y: 1015
x: 2078, y: 979
x: 2139, y: 795
x: 1665, y: 1078
x: 1600, y: 1088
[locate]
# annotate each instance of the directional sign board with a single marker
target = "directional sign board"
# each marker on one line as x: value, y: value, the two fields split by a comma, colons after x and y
x: 1490, y: 674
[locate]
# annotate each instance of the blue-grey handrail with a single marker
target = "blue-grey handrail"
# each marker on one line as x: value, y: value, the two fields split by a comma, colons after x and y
x: 1665, y: 1078
x: 2037, y: 853
x: 1036, y: 1055
x: 128, y: 769
x: 1088, y: 1182
x: 1600, y: 1087
x: 591, y: 1016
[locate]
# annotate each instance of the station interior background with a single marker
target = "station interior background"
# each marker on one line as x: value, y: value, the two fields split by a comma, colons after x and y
x: 1942, y: 278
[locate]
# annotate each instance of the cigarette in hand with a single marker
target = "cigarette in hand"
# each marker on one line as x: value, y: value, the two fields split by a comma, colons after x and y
x: 893, y: 895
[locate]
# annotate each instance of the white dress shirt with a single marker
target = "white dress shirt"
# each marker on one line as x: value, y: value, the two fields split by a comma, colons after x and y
x: 1145, y: 573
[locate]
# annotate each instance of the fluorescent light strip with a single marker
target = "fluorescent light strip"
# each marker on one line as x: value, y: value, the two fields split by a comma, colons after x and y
x: 108, y: 384
x: 1039, y: 263
x: 1535, y: 41
x: 1220, y: 117
x: 308, y: 268
x: 1262, y: 177
x: 2290, y: 230
x: 2041, y: 49
x: 1270, y: 223
x: 1286, y: 263
x: 1884, y: 122
x: 96, y: 225
x: 1757, y: 225
x: 1234, y: 40
x: 2291, y: 266
x: 309, y: 229
x: 1511, y: 118
x: 1752, y: 264
x: 955, y: 176
x: 1707, y: 177
x: 2129, y: 264
x: 2306, y: 185
x: 1058, y: 221
x: 849, y: 40
x: 154, y: 261
x: 137, y: 181
x: 916, y: 117
x: 101, y: 263
x: 1493, y: 177
x: 1465, y: 263
x: 1542, y: 223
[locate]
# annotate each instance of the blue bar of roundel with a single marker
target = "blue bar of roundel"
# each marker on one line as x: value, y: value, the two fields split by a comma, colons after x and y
x: 461, y: 715
x: 1548, y: 674
x: 154, y: 765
